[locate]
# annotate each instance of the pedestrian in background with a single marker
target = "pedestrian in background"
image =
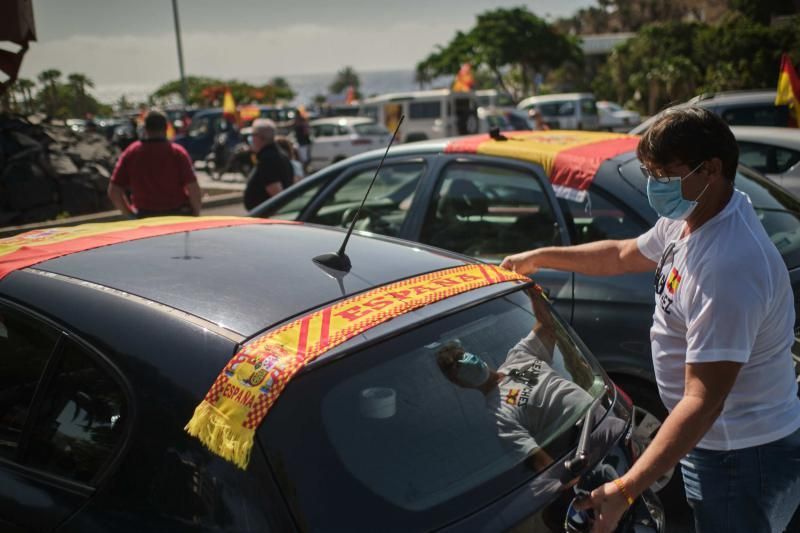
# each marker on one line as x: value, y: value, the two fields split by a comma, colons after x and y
x: 538, y: 120
x: 273, y: 171
x: 721, y: 338
x: 157, y: 173
x: 288, y: 148
x: 302, y: 134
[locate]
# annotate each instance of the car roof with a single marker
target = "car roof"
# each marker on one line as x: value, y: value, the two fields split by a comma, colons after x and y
x: 733, y: 97
x: 249, y: 277
x: 786, y: 137
x: 342, y: 121
x: 553, y: 98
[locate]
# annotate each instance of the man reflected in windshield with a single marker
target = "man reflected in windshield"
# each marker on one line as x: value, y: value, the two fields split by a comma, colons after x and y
x: 528, y: 398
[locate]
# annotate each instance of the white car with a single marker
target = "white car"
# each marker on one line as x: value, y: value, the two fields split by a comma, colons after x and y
x: 337, y: 138
x: 773, y: 151
x: 614, y: 117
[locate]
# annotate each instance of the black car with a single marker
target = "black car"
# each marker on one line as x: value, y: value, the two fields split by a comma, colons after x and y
x: 499, y: 202
x: 105, y: 353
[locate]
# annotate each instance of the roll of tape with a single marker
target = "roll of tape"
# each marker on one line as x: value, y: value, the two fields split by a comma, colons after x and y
x: 378, y: 402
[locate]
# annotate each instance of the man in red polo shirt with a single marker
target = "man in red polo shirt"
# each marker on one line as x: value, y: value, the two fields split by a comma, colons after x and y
x: 158, y: 174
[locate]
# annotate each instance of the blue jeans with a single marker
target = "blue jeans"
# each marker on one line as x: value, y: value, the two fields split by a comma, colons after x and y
x: 749, y: 490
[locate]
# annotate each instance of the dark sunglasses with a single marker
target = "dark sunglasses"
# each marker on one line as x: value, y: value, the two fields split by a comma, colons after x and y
x: 668, y: 251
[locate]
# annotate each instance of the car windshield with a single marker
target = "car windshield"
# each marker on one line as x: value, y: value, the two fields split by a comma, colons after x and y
x: 777, y: 209
x: 414, y: 432
x: 370, y: 129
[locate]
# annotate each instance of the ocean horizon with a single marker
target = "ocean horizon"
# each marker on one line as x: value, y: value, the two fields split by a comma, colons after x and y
x: 305, y: 86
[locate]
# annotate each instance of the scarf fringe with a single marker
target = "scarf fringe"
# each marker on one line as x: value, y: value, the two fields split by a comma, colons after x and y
x: 216, y: 431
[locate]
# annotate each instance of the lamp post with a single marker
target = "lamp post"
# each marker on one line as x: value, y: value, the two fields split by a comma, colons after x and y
x: 184, y: 91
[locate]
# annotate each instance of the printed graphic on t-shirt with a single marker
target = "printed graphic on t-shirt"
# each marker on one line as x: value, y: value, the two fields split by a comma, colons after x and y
x: 518, y: 397
x: 673, y: 281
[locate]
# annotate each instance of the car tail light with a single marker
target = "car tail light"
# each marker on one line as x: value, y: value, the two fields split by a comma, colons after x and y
x: 357, y: 142
x: 625, y: 398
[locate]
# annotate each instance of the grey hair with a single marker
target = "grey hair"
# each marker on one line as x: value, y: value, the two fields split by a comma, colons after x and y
x: 265, y: 126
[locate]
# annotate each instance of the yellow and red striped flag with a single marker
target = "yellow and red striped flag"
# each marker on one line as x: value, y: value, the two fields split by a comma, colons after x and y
x: 789, y: 88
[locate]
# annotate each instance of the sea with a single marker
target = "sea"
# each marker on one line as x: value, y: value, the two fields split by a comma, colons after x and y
x: 305, y: 86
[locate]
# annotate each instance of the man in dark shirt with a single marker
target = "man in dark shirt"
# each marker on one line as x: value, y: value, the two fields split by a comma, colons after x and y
x: 158, y: 174
x: 273, y: 171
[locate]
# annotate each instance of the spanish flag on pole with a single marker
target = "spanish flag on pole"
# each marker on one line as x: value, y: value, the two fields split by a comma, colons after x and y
x: 228, y: 106
x: 789, y: 88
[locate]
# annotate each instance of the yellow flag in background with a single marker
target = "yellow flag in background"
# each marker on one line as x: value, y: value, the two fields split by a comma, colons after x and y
x: 229, y: 106
x: 789, y: 88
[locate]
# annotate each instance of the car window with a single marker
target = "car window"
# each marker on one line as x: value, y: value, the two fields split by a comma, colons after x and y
x: 303, y: 193
x: 199, y: 127
x: 757, y: 115
x: 566, y: 109
x: 324, y: 130
x: 424, y: 110
x: 370, y: 129
x: 598, y: 217
x: 785, y: 158
x: 489, y: 211
x: 342, y: 130
x: 391, y: 436
x: 767, y: 158
x: 370, y: 111
x: 386, y: 207
x: 80, y: 419
x: 25, y: 347
x: 588, y: 106
x: 550, y: 110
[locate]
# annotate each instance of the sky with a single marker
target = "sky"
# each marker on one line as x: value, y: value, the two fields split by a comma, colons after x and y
x: 131, y: 43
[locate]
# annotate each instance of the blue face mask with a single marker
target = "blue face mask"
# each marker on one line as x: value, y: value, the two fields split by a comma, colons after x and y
x: 471, y: 370
x: 666, y: 197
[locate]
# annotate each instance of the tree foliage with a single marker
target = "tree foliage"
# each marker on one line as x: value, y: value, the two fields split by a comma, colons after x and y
x: 346, y: 77
x: 207, y: 91
x: 510, y: 44
x: 53, y: 97
x: 670, y: 62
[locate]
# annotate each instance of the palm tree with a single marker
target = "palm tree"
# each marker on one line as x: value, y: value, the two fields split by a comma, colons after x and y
x: 79, y: 83
x: 49, y: 78
x: 24, y: 87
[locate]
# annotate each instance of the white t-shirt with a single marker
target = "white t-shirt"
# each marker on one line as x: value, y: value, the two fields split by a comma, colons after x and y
x: 725, y: 295
x: 529, y: 414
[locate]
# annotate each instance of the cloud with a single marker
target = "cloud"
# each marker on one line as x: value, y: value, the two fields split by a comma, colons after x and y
x: 142, y: 63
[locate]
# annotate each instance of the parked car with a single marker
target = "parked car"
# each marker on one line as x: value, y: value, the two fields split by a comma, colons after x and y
x: 566, y: 111
x: 208, y: 123
x: 738, y: 108
x: 492, y: 117
x: 614, y: 117
x: 337, y: 138
x: 772, y: 151
x: 105, y: 353
x: 433, y: 114
x: 491, y: 198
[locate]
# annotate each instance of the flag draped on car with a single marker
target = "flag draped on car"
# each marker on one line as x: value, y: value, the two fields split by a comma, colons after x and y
x: 33, y: 247
x: 569, y: 158
x: 251, y: 382
x: 789, y: 88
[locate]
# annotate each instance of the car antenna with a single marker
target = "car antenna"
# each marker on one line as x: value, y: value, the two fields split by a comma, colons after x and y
x: 339, y: 260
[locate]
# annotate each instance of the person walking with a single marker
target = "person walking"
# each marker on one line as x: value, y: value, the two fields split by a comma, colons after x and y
x: 157, y: 173
x: 273, y: 171
x: 288, y: 148
x: 302, y: 134
x: 721, y: 337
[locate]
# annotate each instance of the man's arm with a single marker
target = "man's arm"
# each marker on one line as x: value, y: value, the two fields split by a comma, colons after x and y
x: 195, y: 197
x: 117, y: 196
x: 707, y: 386
x: 601, y: 258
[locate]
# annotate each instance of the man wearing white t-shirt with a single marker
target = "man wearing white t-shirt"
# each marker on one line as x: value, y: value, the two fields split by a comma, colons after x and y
x: 721, y: 336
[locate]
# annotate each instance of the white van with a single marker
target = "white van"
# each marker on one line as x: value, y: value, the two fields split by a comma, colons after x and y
x: 429, y: 114
x: 565, y: 111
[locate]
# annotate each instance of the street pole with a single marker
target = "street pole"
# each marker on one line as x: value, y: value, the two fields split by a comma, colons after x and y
x: 184, y: 91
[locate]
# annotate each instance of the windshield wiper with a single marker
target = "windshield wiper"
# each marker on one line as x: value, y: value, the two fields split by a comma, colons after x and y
x: 579, y: 461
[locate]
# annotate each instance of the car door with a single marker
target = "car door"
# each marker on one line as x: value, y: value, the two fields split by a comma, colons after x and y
x: 620, y: 304
x: 322, y: 147
x: 63, y: 421
x: 489, y: 208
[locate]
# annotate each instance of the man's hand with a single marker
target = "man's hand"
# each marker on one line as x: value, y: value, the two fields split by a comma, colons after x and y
x: 608, y: 503
x: 522, y: 263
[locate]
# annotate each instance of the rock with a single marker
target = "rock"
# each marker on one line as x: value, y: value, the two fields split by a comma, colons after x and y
x: 47, y: 170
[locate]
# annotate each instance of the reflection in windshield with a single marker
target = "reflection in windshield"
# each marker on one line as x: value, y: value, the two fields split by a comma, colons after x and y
x: 528, y: 398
